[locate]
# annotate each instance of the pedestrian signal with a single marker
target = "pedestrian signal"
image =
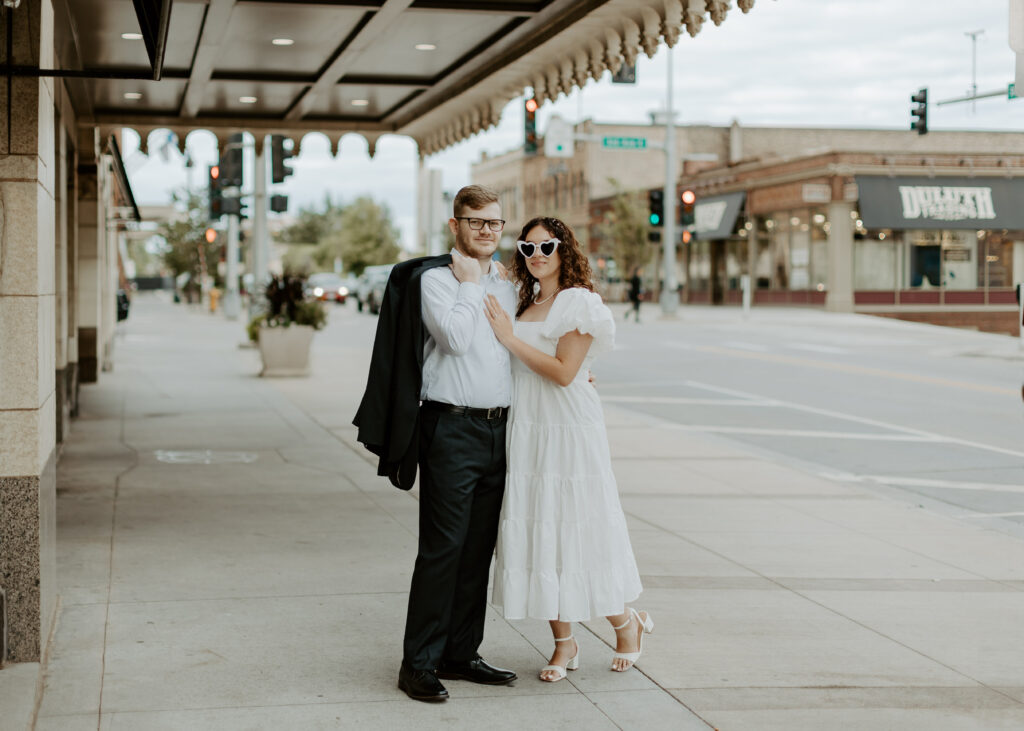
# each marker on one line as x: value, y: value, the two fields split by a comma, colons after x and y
x: 655, y: 204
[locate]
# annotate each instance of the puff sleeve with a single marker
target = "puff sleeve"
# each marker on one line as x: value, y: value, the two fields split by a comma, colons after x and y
x: 580, y: 309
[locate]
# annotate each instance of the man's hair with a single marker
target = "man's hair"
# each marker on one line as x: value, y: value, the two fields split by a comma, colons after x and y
x: 473, y: 196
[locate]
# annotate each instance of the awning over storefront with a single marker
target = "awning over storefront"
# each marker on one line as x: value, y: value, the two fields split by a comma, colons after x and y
x: 941, y: 203
x: 714, y: 218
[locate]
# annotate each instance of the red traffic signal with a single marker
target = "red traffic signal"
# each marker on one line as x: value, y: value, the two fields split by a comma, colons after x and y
x: 686, y: 215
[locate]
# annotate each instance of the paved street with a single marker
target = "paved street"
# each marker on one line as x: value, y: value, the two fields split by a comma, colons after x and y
x: 229, y: 560
x: 933, y: 411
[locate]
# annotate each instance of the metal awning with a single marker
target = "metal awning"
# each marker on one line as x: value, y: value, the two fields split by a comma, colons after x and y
x: 715, y: 217
x: 436, y: 70
x: 941, y: 203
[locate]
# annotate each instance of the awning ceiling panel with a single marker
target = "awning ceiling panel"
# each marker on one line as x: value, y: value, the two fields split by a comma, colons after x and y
x: 248, y: 43
x: 162, y: 96
x: 486, y: 53
x: 338, y: 102
x: 454, y: 35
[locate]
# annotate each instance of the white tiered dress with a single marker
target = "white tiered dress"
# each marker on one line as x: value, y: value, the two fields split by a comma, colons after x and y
x: 563, y: 550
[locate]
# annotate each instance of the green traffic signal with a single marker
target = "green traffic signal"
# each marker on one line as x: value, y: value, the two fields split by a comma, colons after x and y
x: 655, y: 219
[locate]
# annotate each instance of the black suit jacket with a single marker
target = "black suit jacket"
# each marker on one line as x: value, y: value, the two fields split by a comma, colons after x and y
x: 388, y: 416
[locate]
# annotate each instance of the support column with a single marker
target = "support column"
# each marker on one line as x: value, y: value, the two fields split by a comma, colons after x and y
x: 839, y: 295
x: 60, y: 263
x: 91, y: 254
x: 27, y: 338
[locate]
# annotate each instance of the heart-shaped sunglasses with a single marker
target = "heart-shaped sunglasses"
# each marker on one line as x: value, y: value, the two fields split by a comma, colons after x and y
x: 528, y: 248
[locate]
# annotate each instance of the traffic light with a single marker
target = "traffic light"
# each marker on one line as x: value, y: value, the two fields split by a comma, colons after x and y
x: 234, y: 206
x: 530, y: 127
x: 919, y: 113
x: 279, y: 203
x: 686, y: 217
x: 216, y: 196
x: 655, y: 202
x: 231, y: 163
x: 278, y: 154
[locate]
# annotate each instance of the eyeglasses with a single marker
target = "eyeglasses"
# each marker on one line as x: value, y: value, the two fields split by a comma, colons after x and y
x: 494, y: 224
x: 528, y: 248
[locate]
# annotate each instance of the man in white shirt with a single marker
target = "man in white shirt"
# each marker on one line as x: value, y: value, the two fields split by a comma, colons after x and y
x: 466, y: 393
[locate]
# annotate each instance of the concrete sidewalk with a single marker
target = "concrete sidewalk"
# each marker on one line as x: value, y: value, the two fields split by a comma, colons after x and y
x: 228, y: 559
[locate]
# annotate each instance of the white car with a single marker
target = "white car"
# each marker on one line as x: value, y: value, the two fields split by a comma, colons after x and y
x: 370, y: 290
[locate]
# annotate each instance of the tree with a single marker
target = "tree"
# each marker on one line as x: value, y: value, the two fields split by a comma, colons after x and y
x: 626, y: 227
x: 366, y: 237
x: 313, y: 226
x: 185, y: 244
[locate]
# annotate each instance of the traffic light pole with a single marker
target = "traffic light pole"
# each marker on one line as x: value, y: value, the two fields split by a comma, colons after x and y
x: 232, y: 302
x: 669, y: 293
x: 259, y: 227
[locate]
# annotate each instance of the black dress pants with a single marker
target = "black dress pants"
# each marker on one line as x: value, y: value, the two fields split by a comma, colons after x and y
x: 462, y: 481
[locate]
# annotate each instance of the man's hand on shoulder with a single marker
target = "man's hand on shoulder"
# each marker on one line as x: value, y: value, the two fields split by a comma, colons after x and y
x: 465, y: 268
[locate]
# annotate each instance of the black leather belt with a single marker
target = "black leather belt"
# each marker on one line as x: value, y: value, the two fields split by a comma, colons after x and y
x: 497, y: 412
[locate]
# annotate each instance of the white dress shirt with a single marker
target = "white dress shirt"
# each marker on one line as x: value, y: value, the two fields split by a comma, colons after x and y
x: 463, y: 362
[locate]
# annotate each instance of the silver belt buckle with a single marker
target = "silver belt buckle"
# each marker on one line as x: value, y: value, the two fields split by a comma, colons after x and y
x: 494, y: 412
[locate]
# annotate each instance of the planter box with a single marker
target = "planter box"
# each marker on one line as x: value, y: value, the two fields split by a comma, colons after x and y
x: 285, y: 350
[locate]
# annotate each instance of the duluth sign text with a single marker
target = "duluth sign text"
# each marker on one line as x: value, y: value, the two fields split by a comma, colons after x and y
x: 947, y: 203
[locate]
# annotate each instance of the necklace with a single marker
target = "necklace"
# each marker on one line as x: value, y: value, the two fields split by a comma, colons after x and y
x: 540, y: 302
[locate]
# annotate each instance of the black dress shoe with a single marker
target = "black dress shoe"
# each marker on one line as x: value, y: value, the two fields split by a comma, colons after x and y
x: 475, y: 671
x: 421, y: 685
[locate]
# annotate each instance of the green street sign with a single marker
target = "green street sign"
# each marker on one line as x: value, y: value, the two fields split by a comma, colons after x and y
x: 1011, y: 91
x: 624, y: 143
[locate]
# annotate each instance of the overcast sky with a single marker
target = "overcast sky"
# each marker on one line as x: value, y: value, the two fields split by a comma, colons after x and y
x: 841, y: 63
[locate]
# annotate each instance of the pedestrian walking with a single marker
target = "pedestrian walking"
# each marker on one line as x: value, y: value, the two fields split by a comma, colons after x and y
x: 635, y: 293
x: 563, y: 550
x: 459, y: 410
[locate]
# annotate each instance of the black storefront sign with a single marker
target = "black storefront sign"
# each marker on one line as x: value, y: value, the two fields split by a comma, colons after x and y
x: 715, y: 217
x: 941, y: 203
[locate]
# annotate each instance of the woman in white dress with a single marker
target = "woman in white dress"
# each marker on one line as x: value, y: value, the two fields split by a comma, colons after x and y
x: 563, y: 550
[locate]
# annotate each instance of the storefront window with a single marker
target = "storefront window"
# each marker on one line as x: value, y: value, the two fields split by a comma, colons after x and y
x: 996, y: 265
x: 799, y: 250
x: 778, y: 233
x: 959, y: 260
x: 819, y: 249
x: 698, y: 276
x: 875, y: 260
x: 763, y: 257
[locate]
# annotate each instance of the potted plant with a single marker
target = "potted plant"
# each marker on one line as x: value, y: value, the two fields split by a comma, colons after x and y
x: 284, y: 333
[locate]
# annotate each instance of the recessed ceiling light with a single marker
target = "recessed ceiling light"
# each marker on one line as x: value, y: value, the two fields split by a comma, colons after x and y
x: 283, y: 42
x: 132, y: 95
x: 360, y: 102
x: 247, y: 99
x: 132, y: 36
x: 425, y: 47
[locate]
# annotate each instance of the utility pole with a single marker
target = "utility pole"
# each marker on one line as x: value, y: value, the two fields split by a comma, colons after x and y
x: 974, y: 64
x: 232, y: 301
x: 260, y: 253
x: 669, y: 293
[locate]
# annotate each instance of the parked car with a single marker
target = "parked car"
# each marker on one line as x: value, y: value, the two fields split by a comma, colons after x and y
x: 370, y: 292
x: 326, y: 286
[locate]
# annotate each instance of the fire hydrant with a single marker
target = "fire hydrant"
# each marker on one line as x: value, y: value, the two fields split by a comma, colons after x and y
x: 214, y: 298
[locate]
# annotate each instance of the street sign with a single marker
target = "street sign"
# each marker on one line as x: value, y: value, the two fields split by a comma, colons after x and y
x: 558, y: 140
x: 1011, y: 91
x: 624, y: 143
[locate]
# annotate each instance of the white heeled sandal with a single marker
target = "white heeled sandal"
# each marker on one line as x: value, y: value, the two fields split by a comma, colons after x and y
x: 646, y: 627
x: 573, y: 664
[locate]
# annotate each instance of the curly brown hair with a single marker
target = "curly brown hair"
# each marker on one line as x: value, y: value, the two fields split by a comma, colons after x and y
x: 575, y: 271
